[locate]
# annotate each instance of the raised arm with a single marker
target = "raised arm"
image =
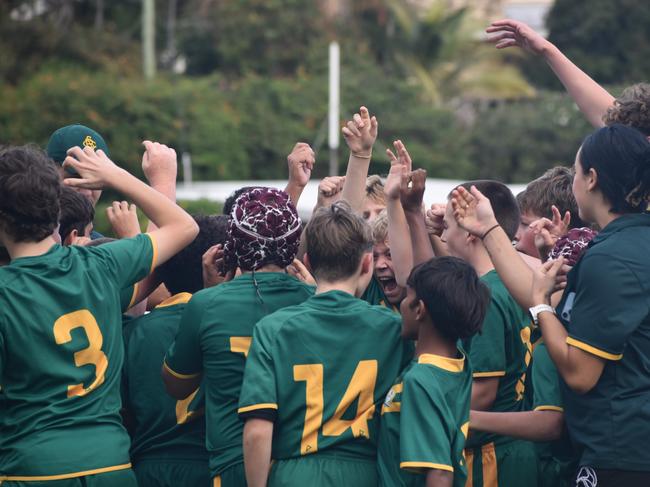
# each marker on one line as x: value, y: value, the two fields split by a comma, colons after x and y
x: 360, y: 134
x: 411, y: 195
x: 592, y: 99
x: 399, y: 239
x: 301, y: 163
x: 176, y: 228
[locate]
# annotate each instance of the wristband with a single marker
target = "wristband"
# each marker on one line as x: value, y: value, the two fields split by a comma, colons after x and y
x: 362, y: 156
x: 489, y: 230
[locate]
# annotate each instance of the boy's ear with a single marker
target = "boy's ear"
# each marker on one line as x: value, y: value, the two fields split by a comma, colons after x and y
x: 366, y: 264
x: 420, y: 310
x: 71, y: 237
x: 305, y: 260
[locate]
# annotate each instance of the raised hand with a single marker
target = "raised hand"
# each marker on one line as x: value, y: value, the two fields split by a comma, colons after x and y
x: 213, y: 270
x: 159, y: 163
x: 301, y: 163
x: 472, y: 211
x: 124, y: 219
x: 95, y: 169
x: 412, y: 190
x: 399, y: 165
x: 434, y: 219
x: 516, y: 33
x: 547, y: 279
x: 360, y: 134
x: 547, y: 232
x: 329, y: 190
x: 298, y: 270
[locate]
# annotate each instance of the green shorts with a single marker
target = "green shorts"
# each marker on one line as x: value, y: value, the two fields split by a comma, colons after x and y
x: 323, y: 471
x: 510, y: 464
x: 161, y: 473
x: 234, y: 476
x: 119, y: 478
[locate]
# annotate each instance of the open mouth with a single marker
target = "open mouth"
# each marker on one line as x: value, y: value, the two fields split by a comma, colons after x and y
x: 388, y: 284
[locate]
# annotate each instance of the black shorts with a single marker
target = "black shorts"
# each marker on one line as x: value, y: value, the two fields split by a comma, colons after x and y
x: 596, y: 477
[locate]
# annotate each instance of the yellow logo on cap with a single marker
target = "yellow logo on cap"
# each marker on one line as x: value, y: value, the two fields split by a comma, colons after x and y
x: 89, y: 142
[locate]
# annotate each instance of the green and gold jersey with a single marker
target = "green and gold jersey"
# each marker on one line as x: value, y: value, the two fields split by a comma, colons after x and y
x: 545, y: 395
x: 374, y: 294
x: 605, y: 308
x: 164, y: 429
x: 322, y: 369
x: 424, y: 422
x: 61, y: 357
x: 213, y: 339
x: 502, y: 349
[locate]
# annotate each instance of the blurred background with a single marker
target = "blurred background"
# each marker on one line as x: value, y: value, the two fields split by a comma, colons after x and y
x: 233, y: 84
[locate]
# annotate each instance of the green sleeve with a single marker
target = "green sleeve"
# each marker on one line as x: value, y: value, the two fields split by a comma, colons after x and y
x: 425, y: 435
x: 2, y: 356
x: 546, y: 382
x: 126, y: 296
x: 258, y: 392
x: 128, y: 260
x: 184, y: 358
x: 486, y: 349
x: 609, y: 306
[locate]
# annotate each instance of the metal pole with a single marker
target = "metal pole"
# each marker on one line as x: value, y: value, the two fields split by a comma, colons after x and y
x: 334, y: 106
x: 149, y: 38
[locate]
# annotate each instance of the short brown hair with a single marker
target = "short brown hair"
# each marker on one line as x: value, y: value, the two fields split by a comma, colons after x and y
x: 336, y: 240
x: 30, y: 186
x: 554, y: 187
x: 504, y: 204
x: 77, y: 212
x: 632, y: 108
x: 375, y: 189
x: 379, y: 227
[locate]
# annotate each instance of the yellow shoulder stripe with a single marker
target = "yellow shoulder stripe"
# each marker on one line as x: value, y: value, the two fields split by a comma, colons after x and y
x: 180, y: 298
x: 549, y: 408
x: 178, y: 375
x: 66, y: 475
x: 269, y: 405
x: 154, y: 258
x: 593, y: 350
x: 498, y: 373
x: 422, y: 465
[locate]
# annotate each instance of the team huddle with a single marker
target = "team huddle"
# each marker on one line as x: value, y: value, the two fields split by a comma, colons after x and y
x: 488, y: 340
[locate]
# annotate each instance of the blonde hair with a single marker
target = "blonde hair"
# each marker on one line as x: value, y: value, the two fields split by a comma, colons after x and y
x: 380, y: 228
x: 375, y: 189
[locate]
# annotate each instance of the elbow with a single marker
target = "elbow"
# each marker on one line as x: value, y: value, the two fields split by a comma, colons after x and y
x: 257, y: 431
x: 579, y: 383
x: 173, y: 387
x: 192, y: 229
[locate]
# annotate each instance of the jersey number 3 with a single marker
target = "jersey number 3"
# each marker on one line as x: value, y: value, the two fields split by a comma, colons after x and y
x: 361, y: 386
x: 91, y: 355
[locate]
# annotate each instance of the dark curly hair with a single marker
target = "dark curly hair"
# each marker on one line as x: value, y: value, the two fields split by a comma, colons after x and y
x: 184, y: 271
x: 632, y: 108
x: 30, y: 186
x: 454, y: 296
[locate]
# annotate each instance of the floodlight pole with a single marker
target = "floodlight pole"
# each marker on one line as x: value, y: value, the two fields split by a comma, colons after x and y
x: 148, y: 38
x: 334, y: 106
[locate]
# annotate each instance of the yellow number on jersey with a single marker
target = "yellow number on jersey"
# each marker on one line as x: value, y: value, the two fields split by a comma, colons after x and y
x: 91, y: 355
x: 240, y: 345
x: 362, y: 386
x: 183, y: 414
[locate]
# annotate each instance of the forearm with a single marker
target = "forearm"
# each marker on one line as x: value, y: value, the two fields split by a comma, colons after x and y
x: 516, y: 275
x: 399, y: 240
x: 422, y: 251
x: 167, y: 189
x: 439, y: 247
x: 439, y: 478
x: 354, y: 189
x: 527, y: 425
x: 555, y: 336
x: 294, y: 191
x: 592, y: 99
x: 258, y: 436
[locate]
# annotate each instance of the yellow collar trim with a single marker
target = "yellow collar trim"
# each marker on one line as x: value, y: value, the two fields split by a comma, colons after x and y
x: 445, y: 363
x: 180, y: 298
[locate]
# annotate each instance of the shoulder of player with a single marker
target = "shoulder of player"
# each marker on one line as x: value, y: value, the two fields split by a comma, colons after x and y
x: 421, y: 377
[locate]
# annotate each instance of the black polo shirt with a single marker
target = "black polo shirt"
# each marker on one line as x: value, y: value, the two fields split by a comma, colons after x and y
x: 606, y: 311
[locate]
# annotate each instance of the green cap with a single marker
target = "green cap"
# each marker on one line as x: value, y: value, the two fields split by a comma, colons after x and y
x: 73, y: 135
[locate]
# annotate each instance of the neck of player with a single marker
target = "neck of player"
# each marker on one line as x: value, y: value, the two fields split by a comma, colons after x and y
x: 17, y: 250
x: 430, y: 341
